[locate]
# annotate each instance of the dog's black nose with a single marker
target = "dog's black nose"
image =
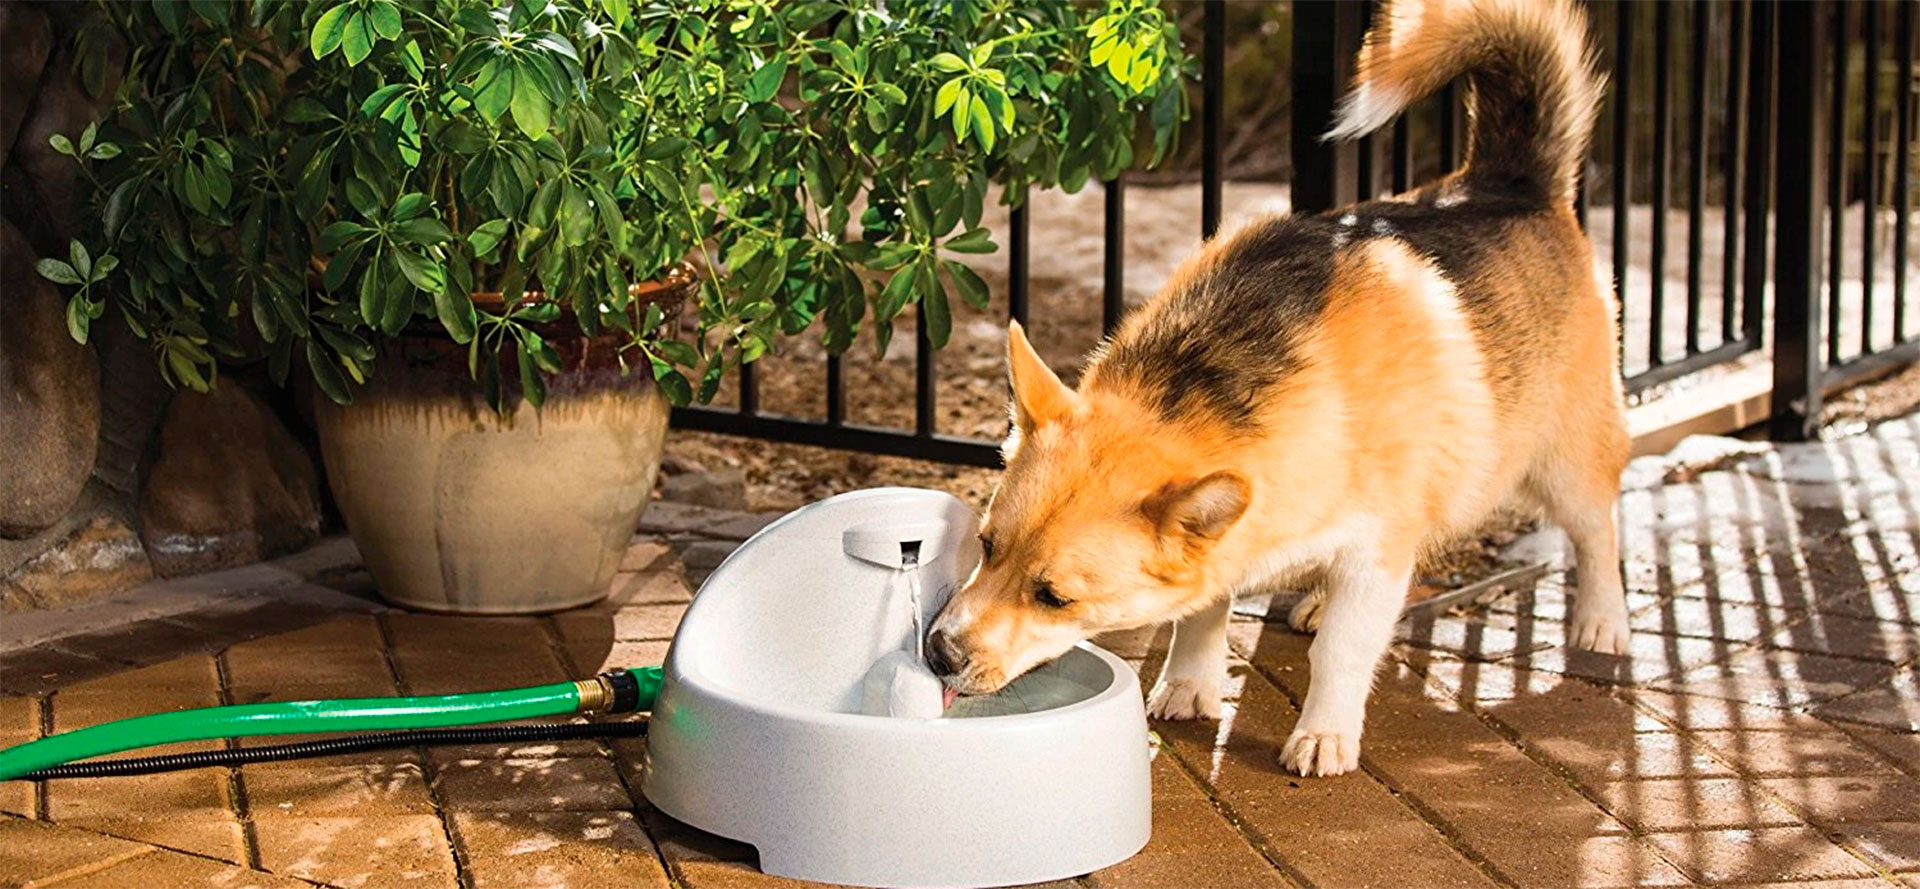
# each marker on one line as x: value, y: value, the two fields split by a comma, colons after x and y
x: 943, y: 656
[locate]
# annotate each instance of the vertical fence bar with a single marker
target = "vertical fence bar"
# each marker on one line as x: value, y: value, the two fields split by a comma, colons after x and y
x: 1732, y: 147
x: 1903, y: 172
x: 1762, y: 51
x: 1402, y: 156
x: 1315, y: 77
x: 1622, y: 163
x: 1450, y: 135
x: 1662, y: 188
x: 923, y: 391
x: 1113, y: 295
x: 836, y: 392
x: 1836, y: 174
x: 1213, y: 78
x: 1696, y: 167
x: 1017, y: 249
x: 1797, y: 369
x: 1870, y: 169
x: 749, y: 390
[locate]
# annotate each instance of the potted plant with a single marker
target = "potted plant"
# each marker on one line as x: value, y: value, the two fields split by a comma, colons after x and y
x: 470, y: 222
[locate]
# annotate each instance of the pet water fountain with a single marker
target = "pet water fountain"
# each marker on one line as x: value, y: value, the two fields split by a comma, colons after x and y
x: 766, y: 732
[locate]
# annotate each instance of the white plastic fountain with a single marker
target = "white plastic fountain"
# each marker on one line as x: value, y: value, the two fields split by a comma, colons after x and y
x: 763, y: 731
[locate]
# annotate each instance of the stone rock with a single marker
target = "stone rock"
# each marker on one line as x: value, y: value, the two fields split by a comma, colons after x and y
x: 229, y: 485
x: 101, y: 556
x: 39, y: 185
x: 719, y: 489
x: 49, y: 397
x: 25, y: 40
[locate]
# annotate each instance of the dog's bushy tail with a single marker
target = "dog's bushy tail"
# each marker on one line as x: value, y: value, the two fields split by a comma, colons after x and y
x: 1532, y: 93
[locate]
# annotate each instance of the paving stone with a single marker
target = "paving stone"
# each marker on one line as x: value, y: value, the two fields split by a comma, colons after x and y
x: 742, y: 527
x: 589, y: 658
x: 444, y: 755
x: 353, y: 632
x: 181, y: 684
x: 35, y: 851
x: 665, y: 517
x: 1874, y: 640
x: 1893, y: 704
x: 1894, y: 846
x: 1656, y: 804
x: 310, y: 788
x: 435, y: 671
x: 257, y: 674
x: 357, y: 852
x: 1649, y: 658
x: 632, y: 623
x: 1638, y: 755
x: 1776, y: 853
x: 19, y: 715
x: 1777, y: 678
x: 193, y: 793
x: 1693, y: 712
x: 17, y: 797
x: 1714, y: 619
x: 647, y: 553
x: 649, y: 588
x: 578, y: 783
x: 1490, y: 637
x: 1793, y: 753
x: 1903, y: 749
x: 237, y: 620
x: 415, y: 632
x: 171, y: 870
x: 215, y: 835
x: 1327, y: 829
x: 522, y: 850
x: 1192, y: 846
x: 146, y: 641
x: 1842, y: 799
x: 1577, y: 861
x: 44, y: 668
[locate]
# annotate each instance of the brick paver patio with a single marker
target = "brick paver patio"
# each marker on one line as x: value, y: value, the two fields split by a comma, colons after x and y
x: 1763, y: 731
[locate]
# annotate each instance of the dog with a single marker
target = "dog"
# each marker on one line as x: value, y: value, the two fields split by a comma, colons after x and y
x: 1329, y: 394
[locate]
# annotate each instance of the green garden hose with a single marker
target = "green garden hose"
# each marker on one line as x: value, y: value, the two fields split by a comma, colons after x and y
x: 617, y: 691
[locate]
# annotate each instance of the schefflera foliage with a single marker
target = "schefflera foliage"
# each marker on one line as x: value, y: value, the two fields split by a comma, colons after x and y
x: 301, y: 178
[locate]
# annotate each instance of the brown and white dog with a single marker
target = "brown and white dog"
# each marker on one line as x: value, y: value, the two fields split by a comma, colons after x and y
x: 1329, y: 395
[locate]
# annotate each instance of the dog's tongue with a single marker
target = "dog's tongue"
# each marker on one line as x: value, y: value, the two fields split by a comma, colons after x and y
x: 947, y: 695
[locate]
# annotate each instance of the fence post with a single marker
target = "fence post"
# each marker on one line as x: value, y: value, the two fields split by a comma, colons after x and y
x: 1799, y: 177
x: 1326, y: 34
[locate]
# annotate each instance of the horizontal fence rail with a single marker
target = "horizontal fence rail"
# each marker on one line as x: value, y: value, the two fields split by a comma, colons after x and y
x: 1748, y: 191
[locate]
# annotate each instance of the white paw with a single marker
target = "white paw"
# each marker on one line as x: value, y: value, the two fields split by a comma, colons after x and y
x: 1178, y: 699
x: 1603, y: 630
x: 1305, y: 616
x: 1324, y: 754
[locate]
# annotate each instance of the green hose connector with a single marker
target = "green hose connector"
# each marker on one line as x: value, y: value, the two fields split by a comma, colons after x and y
x: 619, y: 691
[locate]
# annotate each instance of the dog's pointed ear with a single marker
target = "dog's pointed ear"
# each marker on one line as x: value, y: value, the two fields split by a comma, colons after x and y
x: 1039, y: 397
x: 1199, y: 511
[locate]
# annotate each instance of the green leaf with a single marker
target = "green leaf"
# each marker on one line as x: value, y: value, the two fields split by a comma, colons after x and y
x: 532, y: 387
x: 56, y: 271
x: 397, y: 309
x: 671, y: 382
x: 386, y: 20
x: 949, y: 63
x: 971, y: 287
x: 494, y: 91
x: 370, y: 303
x: 361, y: 196
x: 87, y: 136
x: 978, y: 240
x: 78, y: 320
x: 357, y: 42
x: 307, y: 109
x: 765, y: 83
x: 409, y: 205
x: 345, y: 343
x: 328, y: 33
x: 982, y: 123
x: 82, y: 260
x: 576, y: 216
x: 544, y: 355
x: 456, y: 313
x: 424, y: 231
x: 378, y: 101
x: 423, y: 272
x: 104, y: 151
x: 664, y: 147
x: 337, y: 234
x: 62, y: 144
x: 933, y: 306
x: 119, y: 203
x: 531, y: 111
x: 326, y: 375
x: 944, y: 99
x: 962, y: 108
x: 487, y: 236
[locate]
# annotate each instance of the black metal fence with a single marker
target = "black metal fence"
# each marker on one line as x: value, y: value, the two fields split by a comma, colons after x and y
x: 1779, y: 119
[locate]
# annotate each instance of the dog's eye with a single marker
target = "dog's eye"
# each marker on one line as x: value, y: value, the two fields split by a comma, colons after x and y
x: 986, y: 548
x: 1044, y: 594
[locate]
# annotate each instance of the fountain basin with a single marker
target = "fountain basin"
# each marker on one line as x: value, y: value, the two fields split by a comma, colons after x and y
x: 757, y: 734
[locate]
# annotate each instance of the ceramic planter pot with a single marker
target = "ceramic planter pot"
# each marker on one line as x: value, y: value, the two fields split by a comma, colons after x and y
x: 456, y: 508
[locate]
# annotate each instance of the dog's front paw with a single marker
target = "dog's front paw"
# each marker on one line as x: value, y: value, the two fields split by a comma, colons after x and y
x: 1323, y: 754
x: 1602, y: 630
x: 1305, y: 616
x: 1178, y: 699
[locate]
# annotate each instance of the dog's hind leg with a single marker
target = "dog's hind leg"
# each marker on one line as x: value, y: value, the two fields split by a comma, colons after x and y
x: 1365, y: 592
x: 1579, y: 483
x: 1189, y: 684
